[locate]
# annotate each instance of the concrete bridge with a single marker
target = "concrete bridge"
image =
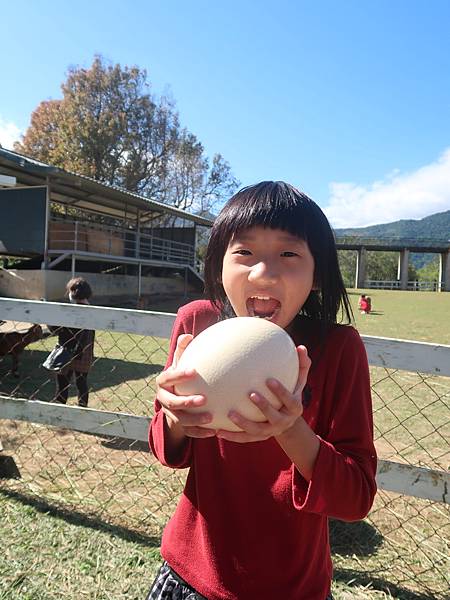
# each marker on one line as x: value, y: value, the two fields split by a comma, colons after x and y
x: 404, y: 246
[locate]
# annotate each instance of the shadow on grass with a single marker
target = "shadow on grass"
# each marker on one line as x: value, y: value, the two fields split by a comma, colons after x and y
x: 359, y: 538
x: 34, y: 382
x: 123, y: 444
x: 347, y: 576
x: 74, y: 517
x: 357, y: 578
x: 8, y: 467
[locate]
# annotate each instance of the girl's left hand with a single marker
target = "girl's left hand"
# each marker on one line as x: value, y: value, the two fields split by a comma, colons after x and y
x: 278, y: 421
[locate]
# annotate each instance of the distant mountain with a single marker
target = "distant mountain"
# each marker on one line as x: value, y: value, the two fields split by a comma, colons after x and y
x: 435, y: 226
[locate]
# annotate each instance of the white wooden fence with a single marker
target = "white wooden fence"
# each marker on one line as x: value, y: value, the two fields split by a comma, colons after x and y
x: 391, y: 353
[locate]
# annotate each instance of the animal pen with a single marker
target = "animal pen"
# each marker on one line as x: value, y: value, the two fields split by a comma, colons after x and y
x: 95, y: 460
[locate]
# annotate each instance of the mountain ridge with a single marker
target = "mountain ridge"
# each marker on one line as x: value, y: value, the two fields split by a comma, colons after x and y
x: 435, y: 226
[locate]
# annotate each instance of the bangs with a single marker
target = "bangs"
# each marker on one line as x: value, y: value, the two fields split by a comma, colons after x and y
x: 274, y: 207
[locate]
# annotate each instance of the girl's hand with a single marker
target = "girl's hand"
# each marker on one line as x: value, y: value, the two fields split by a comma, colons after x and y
x: 173, y: 405
x: 278, y: 421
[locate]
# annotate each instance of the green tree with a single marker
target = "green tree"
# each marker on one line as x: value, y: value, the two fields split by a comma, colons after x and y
x: 430, y: 271
x: 347, y: 264
x: 381, y: 266
x: 109, y: 126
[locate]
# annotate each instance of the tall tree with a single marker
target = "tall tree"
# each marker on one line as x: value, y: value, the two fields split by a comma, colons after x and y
x: 430, y: 271
x: 109, y: 126
x: 347, y: 264
x: 381, y: 266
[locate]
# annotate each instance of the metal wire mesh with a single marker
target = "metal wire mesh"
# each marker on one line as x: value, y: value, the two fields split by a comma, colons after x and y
x: 403, y: 543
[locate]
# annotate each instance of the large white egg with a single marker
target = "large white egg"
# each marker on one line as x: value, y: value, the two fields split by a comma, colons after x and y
x: 233, y: 358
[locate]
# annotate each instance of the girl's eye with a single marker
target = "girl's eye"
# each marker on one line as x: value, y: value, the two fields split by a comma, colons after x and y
x: 242, y: 252
x: 287, y: 253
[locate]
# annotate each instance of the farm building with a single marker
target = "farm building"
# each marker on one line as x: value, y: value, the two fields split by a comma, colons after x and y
x: 60, y: 224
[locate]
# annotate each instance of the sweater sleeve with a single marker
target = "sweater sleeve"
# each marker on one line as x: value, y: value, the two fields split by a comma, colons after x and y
x: 157, y: 430
x: 343, y: 482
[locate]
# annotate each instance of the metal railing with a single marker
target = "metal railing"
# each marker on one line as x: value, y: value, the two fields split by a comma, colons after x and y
x: 416, y: 286
x: 439, y: 244
x: 67, y: 236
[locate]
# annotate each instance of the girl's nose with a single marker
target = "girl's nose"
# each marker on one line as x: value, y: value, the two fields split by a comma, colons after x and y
x: 263, y: 273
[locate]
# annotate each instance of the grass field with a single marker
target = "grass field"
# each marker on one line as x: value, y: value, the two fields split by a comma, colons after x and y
x: 52, y: 553
x: 420, y: 316
x: 49, y: 555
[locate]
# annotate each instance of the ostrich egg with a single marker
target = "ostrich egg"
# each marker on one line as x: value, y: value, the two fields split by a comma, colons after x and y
x: 233, y: 358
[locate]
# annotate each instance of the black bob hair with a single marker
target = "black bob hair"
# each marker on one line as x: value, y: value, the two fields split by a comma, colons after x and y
x: 278, y: 205
x: 79, y: 288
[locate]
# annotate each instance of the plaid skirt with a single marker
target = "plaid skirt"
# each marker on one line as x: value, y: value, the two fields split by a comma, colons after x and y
x: 169, y: 586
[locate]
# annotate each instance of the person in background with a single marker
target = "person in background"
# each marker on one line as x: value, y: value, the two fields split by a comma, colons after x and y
x: 364, y: 304
x: 79, y: 341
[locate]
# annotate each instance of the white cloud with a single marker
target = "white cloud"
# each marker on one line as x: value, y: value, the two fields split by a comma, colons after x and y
x: 398, y: 196
x: 9, y: 133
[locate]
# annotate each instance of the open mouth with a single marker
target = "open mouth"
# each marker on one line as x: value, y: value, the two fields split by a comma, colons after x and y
x: 263, y: 307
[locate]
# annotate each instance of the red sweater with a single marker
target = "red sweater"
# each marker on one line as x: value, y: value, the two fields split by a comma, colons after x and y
x: 248, y: 526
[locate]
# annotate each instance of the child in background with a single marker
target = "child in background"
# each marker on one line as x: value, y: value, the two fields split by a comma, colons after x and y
x: 364, y: 304
x: 79, y: 341
x: 252, y: 522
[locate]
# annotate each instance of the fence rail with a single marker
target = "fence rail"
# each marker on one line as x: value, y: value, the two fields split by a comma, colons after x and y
x: 58, y: 447
x: 415, y: 286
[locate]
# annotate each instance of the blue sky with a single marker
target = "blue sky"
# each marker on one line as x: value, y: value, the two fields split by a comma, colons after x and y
x: 348, y: 100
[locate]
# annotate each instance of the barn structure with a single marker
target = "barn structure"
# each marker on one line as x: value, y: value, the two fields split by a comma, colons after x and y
x: 61, y: 224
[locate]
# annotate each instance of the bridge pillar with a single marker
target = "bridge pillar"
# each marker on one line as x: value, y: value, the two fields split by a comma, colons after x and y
x: 402, y: 273
x: 444, y: 272
x: 361, y: 267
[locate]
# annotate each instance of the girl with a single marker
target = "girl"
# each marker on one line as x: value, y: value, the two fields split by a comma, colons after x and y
x: 364, y: 304
x: 80, y: 341
x: 252, y: 523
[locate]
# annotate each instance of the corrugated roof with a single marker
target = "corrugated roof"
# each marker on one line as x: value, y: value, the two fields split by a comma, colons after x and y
x: 85, y: 192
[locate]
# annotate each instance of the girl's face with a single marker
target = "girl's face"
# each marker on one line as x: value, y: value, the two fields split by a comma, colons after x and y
x: 267, y: 273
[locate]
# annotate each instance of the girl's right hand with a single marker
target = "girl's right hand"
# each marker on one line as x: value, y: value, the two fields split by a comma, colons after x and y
x: 173, y: 405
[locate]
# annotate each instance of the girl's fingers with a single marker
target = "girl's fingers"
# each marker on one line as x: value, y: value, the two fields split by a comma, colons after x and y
x: 254, y: 427
x: 173, y: 402
x: 172, y: 376
x: 187, y: 419
x: 183, y: 342
x: 304, y: 366
x: 277, y: 420
x: 287, y: 399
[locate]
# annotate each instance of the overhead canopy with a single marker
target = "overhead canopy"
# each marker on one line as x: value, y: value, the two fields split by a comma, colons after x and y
x: 87, y: 193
